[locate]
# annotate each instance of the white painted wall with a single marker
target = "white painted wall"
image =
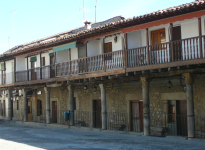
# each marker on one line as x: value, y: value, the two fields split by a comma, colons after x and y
x: 9, y: 66
x: 189, y: 28
x: 74, y: 53
x: 93, y: 47
x: 134, y: 39
x: 62, y: 56
x: 21, y: 63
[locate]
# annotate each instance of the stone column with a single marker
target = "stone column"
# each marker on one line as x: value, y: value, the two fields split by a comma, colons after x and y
x: 47, y: 96
x: 71, y: 104
x: 9, y: 104
x: 25, y: 105
x: 166, y: 111
x: 190, y: 105
x: 1, y: 105
x: 103, y: 106
x: 146, y: 109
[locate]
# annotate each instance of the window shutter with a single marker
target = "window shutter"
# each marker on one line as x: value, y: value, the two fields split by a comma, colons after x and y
x: 32, y: 59
x: 2, y: 67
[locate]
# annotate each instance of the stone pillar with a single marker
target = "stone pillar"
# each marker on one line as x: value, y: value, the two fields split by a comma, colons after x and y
x: 146, y: 109
x: 9, y: 105
x: 103, y: 106
x: 190, y: 105
x: 71, y: 104
x: 1, y: 105
x: 47, y: 96
x: 25, y: 105
x: 166, y: 111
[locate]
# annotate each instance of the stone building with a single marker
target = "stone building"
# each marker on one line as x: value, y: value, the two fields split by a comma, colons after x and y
x: 142, y: 74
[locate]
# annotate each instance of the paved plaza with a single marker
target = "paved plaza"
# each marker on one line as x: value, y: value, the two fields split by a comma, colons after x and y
x: 20, y: 137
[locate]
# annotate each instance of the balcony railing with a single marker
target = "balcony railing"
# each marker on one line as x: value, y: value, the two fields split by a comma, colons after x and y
x: 181, y: 50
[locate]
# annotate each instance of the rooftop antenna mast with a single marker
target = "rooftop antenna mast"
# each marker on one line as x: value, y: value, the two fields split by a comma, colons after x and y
x: 95, y: 9
x: 84, y: 10
x: 13, y: 12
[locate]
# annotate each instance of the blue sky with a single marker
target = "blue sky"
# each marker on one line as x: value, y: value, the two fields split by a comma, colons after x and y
x: 36, y: 19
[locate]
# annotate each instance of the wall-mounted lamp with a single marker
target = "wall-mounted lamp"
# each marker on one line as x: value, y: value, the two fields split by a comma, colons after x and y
x: 169, y: 84
x: 115, y: 39
x: 94, y: 89
x: 85, y: 87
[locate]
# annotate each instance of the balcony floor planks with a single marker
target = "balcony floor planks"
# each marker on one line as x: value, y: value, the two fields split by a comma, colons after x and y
x: 167, y: 65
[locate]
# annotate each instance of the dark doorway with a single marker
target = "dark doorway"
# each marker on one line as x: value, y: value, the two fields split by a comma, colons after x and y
x: 181, y: 117
x: 97, y: 119
x: 177, y: 45
x: 54, y: 111
x: 137, y: 116
x: 29, y: 109
x: 52, y: 66
x: 4, y: 108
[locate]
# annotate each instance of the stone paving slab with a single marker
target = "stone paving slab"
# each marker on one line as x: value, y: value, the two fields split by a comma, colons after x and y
x: 21, y: 136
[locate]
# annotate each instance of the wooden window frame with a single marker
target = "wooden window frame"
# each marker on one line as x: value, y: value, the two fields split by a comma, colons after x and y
x: 159, y: 39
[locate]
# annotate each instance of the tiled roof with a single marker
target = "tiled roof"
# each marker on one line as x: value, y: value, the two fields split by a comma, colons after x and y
x: 70, y: 35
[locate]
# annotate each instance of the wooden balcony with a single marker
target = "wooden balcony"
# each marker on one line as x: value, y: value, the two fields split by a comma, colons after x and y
x: 177, y: 53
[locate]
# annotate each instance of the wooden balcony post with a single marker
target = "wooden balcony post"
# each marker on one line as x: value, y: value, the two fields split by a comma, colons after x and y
x: 103, y: 54
x: 27, y: 69
x: 125, y: 51
x: 86, y: 55
x: 171, y: 39
x: 200, y: 38
x: 147, y: 43
x: 40, y: 66
x: 69, y: 60
x: 14, y: 69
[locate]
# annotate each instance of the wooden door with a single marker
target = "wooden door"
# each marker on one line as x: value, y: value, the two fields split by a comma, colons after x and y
x: 177, y: 46
x: 108, y: 49
x: 33, y: 73
x: 29, y: 109
x: 97, y: 119
x: 137, y: 116
x: 52, y: 66
x: 182, y: 118
x: 4, y: 108
x: 54, y: 111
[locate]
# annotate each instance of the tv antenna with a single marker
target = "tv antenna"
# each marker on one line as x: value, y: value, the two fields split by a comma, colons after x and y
x: 13, y: 12
x: 95, y: 9
x: 84, y: 10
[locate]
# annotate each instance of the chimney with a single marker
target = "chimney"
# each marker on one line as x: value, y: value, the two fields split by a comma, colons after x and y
x: 87, y: 24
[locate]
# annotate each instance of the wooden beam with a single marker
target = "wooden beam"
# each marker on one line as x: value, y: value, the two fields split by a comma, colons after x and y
x: 200, y: 37
x: 171, y: 40
x: 15, y: 70
x: 147, y: 43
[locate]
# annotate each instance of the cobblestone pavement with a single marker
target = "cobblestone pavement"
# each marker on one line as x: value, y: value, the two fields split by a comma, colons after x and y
x: 20, y: 137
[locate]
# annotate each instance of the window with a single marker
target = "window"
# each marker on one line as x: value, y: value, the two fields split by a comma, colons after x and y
x: 158, y: 37
x: 39, y: 107
x: 43, y: 61
x: 17, y: 104
x: 108, y: 49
